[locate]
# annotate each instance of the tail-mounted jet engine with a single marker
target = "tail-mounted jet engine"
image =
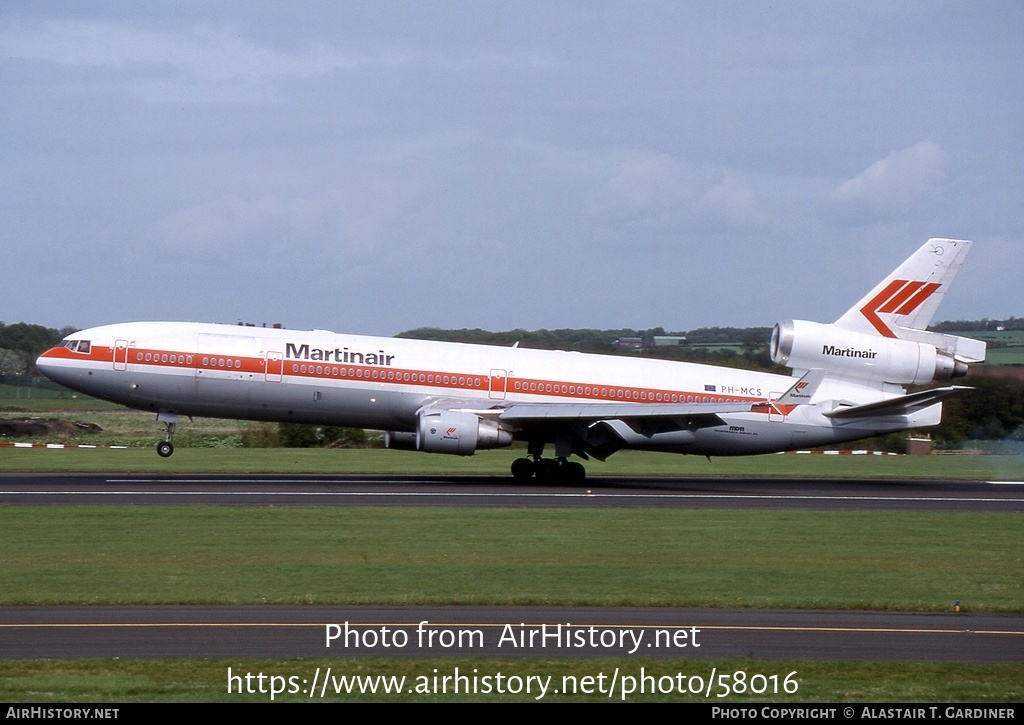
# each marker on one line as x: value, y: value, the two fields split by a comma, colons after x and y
x: 450, y: 431
x: 805, y: 345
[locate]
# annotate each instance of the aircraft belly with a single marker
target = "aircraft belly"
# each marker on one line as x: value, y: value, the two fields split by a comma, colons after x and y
x: 315, y: 404
x: 364, y: 406
x: 99, y: 381
x: 742, y: 435
x: 248, y: 397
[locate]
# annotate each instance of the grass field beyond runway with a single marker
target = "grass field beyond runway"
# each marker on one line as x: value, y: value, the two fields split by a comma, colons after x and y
x: 496, y: 463
x: 394, y: 555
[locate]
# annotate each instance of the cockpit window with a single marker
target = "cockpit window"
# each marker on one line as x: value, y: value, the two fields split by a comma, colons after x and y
x: 82, y: 346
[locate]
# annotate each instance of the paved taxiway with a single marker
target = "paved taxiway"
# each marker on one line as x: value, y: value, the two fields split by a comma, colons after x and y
x: 282, y: 631
x: 656, y: 633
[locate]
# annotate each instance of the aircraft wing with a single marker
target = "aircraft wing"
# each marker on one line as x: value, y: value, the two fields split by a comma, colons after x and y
x: 596, y: 430
x: 903, y: 405
x: 519, y: 413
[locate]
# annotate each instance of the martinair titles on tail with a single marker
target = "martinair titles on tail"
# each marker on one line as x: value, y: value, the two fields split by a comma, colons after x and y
x: 439, y: 397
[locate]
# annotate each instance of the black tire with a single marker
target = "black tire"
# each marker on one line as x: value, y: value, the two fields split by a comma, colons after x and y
x: 548, y: 471
x: 573, y: 472
x: 164, y: 449
x: 522, y: 469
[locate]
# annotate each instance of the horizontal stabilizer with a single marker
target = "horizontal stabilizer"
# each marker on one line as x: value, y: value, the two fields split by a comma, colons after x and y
x: 903, y: 405
x: 963, y: 349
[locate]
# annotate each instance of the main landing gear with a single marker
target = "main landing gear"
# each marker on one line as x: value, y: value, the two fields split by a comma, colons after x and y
x: 165, y: 448
x: 547, y: 470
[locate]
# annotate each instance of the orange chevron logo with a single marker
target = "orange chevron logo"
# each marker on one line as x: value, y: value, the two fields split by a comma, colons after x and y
x: 900, y: 297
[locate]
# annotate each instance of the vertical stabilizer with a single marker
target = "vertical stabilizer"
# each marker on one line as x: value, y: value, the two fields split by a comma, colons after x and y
x: 908, y: 298
x: 904, y: 303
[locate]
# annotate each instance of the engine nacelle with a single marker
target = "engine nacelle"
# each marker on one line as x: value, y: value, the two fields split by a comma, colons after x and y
x: 805, y: 345
x: 450, y: 431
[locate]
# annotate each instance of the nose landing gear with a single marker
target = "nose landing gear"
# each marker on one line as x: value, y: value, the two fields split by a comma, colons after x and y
x: 165, y: 448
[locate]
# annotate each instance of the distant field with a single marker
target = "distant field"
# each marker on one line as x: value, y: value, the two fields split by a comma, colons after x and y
x: 207, y: 554
x: 18, y: 394
x: 997, y: 356
x: 1004, y: 348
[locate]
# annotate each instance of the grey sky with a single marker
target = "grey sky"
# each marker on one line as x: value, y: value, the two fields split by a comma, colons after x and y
x: 373, y: 167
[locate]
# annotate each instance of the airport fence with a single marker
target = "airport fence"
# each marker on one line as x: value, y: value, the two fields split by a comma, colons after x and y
x: 29, y: 387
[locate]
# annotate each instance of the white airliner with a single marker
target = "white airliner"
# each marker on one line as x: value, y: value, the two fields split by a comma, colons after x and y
x: 454, y: 398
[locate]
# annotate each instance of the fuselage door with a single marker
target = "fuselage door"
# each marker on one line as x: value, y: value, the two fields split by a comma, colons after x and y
x: 274, y: 367
x: 497, y: 384
x: 121, y: 355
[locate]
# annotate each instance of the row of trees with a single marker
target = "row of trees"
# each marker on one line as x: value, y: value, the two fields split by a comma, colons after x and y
x: 1010, y: 323
x: 588, y: 340
x: 21, y: 343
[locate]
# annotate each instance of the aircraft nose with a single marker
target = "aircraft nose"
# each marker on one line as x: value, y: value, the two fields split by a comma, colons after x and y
x: 47, y: 365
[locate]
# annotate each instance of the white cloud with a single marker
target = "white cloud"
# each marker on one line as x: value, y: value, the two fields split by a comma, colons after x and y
x: 645, y: 185
x: 731, y: 202
x: 898, y: 181
x: 222, y: 223
x: 660, y: 189
x: 352, y: 221
x: 203, y: 63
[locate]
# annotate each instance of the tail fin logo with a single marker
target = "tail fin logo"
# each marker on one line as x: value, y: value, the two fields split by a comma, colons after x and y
x: 899, y: 297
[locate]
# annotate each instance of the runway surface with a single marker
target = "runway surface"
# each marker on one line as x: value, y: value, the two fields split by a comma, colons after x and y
x: 286, y: 631
x: 500, y: 491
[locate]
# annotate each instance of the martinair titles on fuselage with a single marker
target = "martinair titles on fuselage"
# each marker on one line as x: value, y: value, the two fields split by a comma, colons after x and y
x: 848, y: 352
x: 338, y: 355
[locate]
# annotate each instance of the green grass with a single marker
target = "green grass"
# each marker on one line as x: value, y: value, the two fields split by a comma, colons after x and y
x: 393, y: 555
x: 1005, y: 356
x: 496, y: 463
x: 158, y: 554
x: 128, y: 681
x: 29, y: 395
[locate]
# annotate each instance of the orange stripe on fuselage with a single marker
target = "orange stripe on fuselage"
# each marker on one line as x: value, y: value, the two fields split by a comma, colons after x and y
x: 400, y: 377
